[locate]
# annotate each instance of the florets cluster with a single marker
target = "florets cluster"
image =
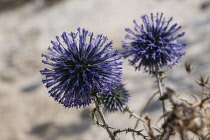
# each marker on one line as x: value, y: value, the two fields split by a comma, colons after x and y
x: 153, y: 44
x: 81, y: 66
x: 116, y: 100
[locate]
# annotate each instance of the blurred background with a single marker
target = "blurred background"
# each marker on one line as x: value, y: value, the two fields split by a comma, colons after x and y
x: 26, y: 29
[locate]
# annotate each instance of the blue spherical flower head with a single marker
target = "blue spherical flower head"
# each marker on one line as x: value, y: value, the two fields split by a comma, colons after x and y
x: 154, y: 43
x: 81, y: 65
x: 116, y: 100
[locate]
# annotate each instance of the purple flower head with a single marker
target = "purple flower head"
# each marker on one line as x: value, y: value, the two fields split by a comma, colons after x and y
x: 116, y: 100
x: 81, y: 65
x: 153, y: 44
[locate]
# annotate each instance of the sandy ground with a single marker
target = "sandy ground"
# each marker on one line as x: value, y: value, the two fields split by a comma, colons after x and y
x: 26, y: 110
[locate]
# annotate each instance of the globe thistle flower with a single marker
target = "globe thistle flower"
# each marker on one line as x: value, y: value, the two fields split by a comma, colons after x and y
x: 81, y: 66
x: 153, y: 44
x: 116, y: 100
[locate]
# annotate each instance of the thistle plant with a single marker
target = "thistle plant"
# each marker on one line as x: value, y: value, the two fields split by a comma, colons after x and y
x: 83, y: 70
x: 153, y: 46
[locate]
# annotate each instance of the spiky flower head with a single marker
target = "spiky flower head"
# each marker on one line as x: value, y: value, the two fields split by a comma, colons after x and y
x: 81, y: 66
x: 154, y: 43
x: 116, y: 100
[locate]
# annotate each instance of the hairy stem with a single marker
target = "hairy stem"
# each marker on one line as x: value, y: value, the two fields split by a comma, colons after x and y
x: 160, y: 90
x: 101, y: 114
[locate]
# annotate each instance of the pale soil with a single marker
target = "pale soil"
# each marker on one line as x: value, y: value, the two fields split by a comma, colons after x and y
x: 26, y: 110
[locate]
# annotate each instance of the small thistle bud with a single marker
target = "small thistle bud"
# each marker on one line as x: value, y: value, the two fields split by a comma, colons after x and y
x: 202, y: 82
x: 188, y: 67
x: 154, y: 43
x: 116, y: 100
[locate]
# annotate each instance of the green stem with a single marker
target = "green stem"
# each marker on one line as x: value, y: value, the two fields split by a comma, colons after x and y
x: 101, y: 114
x: 160, y: 90
x: 138, y: 132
